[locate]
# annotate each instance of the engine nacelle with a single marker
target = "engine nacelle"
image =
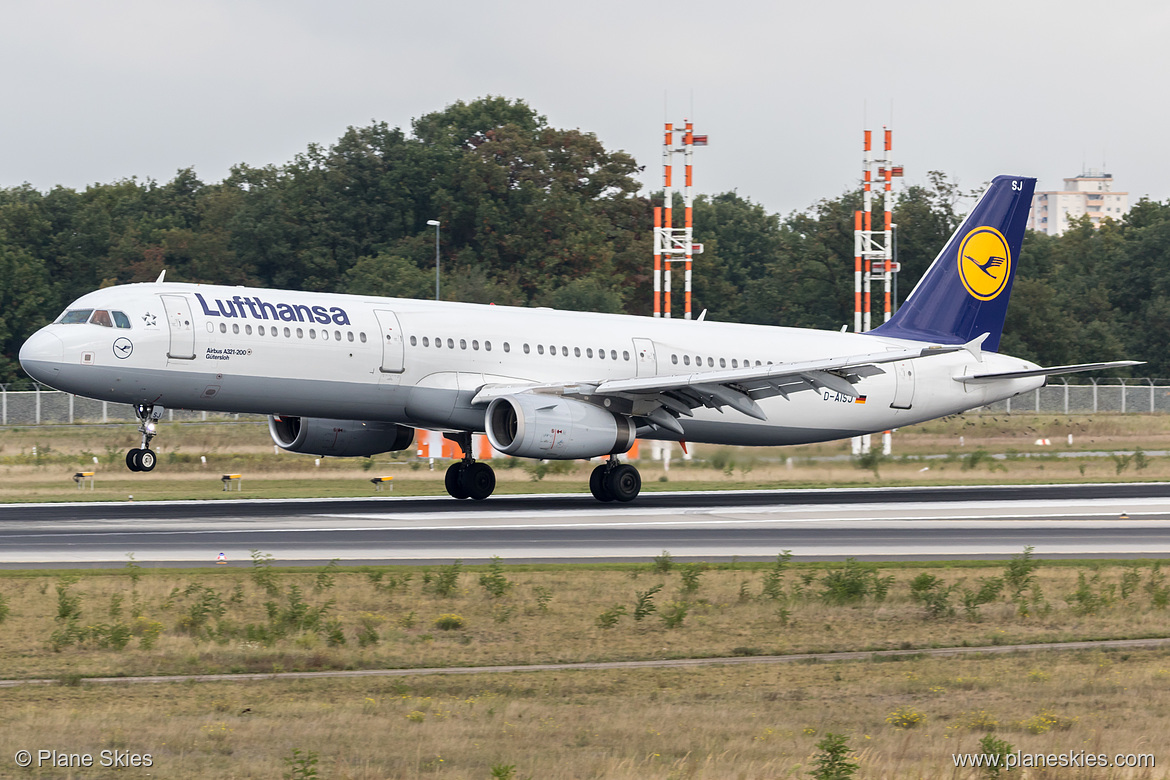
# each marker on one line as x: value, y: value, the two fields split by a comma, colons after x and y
x: 338, y: 438
x: 553, y: 428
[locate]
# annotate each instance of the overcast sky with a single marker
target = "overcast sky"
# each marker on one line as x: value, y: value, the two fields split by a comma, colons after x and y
x: 96, y: 91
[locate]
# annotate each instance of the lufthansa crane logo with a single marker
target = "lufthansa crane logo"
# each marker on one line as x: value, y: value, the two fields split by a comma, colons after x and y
x: 985, y: 263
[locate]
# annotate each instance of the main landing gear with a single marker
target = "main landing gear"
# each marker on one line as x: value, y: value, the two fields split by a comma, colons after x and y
x: 143, y: 458
x: 469, y: 478
x: 615, y: 481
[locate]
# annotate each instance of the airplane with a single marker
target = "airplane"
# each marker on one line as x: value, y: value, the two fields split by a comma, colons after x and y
x: 356, y: 375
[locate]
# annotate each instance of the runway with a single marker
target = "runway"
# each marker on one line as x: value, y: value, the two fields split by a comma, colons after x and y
x: 896, y: 523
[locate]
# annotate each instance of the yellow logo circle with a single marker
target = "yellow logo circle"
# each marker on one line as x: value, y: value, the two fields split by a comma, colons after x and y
x: 985, y: 263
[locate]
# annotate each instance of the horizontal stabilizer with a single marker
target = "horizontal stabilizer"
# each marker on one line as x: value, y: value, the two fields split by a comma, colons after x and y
x: 1048, y: 371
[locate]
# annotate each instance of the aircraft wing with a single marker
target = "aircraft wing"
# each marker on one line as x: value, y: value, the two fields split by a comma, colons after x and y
x: 662, y: 399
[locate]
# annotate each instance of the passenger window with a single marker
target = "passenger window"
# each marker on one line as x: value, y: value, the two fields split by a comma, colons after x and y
x: 601, y: 354
x: 248, y: 330
x: 312, y: 333
x: 287, y: 333
x: 222, y: 328
x: 539, y: 349
x: 507, y: 347
x: 576, y: 352
x: 450, y: 343
x: 487, y: 346
x: 475, y: 344
x: 300, y: 333
x: 102, y: 317
x: 552, y: 350
x: 589, y: 352
x: 75, y: 317
x: 349, y: 334
x: 674, y: 359
x: 625, y: 355
x: 710, y: 362
x: 686, y: 360
x: 235, y: 327
x: 362, y: 337
x: 337, y: 335
x: 613, y: 355
x: 121, y: 320
x: 413, y: 341
x: 734, y: 363
x: 462, y: 343
x: 426, y: 341
x: 722, y: 363
x: 565, y: 351
x: 260, y: 329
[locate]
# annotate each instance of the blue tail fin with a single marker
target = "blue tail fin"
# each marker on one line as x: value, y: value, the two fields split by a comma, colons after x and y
x: 964, y: 293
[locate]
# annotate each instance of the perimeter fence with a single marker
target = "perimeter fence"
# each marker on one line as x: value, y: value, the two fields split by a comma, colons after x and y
x: 34, y: 404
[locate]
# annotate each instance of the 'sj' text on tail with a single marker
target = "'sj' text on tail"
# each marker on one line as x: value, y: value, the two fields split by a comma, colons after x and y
x: 965, y: 292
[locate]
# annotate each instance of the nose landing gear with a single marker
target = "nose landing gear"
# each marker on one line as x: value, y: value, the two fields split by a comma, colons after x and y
x: 468, y: 478
x: 615, y: 481
x: 144, y: 458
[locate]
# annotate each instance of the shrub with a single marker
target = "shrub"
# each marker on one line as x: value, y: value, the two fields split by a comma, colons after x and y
x: 644, y: 603
x: 1019, y: 574
x: 663, y: 563
x: 609, y: 618
x: 833, y: 762
x: 773, y: 580
x: 543, y: 596
x: 302, y: 766
x: 325, y: 576
x: 990, y: 746
x: 262, y: 573
x: 675, y: 613
x: 905, y: 718
x: 449, y: 621
x: 3, y: 609
x: 493, y: 580
x: 1046, y: 721
x: 690, y: 573
x: 852, y: 583
x: 444, y: 583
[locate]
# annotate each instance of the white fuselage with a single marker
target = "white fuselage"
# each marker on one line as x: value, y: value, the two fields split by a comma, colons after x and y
x: 419, y: 363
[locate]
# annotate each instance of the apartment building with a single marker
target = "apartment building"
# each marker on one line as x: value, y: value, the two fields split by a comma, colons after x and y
x: 1089, y: 194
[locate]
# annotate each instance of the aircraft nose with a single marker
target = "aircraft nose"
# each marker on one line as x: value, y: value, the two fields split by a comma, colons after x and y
x: 41, y: 356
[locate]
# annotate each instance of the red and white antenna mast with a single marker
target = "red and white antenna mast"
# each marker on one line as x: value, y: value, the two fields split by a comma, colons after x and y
x: 671, y: 244
x: 873, y: 251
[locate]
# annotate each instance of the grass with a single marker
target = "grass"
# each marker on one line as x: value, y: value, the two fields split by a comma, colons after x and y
x: 36, y: 463
x: 717, y: 722
x: 267, y: 619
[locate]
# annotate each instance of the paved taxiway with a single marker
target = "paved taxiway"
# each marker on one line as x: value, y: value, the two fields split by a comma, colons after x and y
x: 1081, y: 520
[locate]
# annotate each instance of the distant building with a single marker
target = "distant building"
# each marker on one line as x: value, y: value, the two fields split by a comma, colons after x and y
x: 1090, y: 194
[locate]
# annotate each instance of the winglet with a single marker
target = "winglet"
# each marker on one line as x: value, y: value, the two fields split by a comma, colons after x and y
x: 160, y: 276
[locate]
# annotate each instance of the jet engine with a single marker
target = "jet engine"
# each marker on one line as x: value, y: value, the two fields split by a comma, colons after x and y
x: 338, y: 438
x: 554, y: 428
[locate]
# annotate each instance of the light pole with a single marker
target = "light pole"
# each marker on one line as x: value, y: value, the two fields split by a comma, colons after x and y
x: 435, y: 223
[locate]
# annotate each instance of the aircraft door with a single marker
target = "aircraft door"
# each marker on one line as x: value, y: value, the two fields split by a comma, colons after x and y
x: 903, y: 385
x: 644, y: 358
x: 181, y: 321
x: 392, y: 343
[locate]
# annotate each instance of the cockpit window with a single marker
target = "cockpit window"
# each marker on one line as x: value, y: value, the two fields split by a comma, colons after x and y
x: 120, y: 319
x: 75, y: 316
x: 102, y: 317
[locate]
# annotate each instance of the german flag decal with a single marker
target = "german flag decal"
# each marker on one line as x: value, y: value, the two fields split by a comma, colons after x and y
x: 859, y: 400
